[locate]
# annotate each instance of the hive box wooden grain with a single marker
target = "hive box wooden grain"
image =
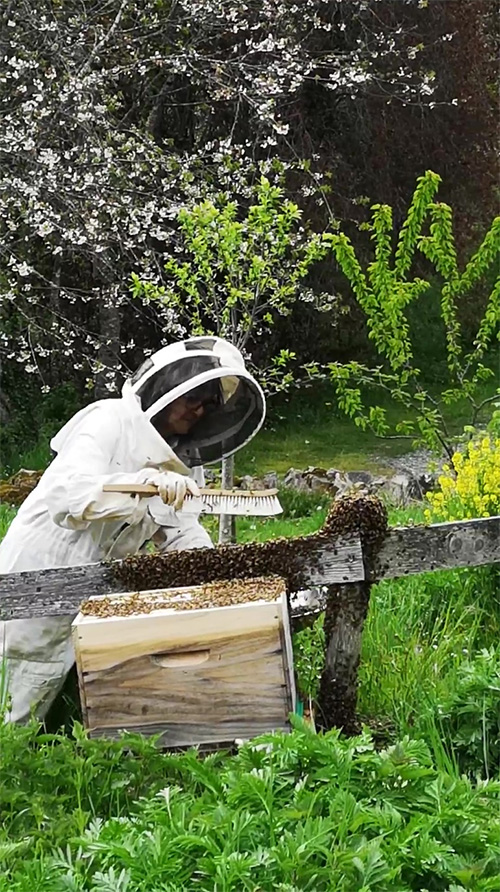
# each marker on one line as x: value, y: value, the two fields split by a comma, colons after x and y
x: 198, y: 676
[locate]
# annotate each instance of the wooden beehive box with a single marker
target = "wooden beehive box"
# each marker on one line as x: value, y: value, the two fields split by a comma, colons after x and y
x: 195, y: 674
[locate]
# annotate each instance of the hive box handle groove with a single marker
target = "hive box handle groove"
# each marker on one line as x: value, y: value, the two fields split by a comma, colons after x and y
x: 180, y: 660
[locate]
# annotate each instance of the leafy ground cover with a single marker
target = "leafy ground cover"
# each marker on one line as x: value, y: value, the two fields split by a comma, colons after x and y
x: 288, y: 812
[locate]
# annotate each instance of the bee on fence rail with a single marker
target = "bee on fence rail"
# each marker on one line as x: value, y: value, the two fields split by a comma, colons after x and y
x: 286, y: 558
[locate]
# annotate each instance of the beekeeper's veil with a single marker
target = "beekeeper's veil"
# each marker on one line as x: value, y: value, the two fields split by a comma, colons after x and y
x: 237, y: 404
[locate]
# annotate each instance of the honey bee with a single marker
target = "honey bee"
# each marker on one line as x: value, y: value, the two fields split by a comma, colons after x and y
x: 217, y: 594
x: 289, y: 559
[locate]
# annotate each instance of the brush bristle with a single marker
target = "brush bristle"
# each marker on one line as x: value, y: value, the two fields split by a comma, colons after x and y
x: 249, y: 506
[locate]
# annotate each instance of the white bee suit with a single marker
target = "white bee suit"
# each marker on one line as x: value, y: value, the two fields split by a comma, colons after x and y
x: 68, y: 520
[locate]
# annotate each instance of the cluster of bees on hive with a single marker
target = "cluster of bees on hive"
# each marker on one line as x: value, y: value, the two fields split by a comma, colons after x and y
x: 285, y: 558
x: 218, y: 594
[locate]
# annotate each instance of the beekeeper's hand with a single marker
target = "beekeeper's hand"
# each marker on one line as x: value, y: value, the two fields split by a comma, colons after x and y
x: 172, y: 487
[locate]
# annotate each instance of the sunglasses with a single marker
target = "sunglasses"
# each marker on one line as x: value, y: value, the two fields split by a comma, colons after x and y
x: 204, y: 396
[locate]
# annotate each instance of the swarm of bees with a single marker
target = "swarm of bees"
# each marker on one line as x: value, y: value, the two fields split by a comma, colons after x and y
x: 288, y: 559
x: 368, y: 516
x: 361, y: 513
x: 218, y: 594
x: 285, y: 558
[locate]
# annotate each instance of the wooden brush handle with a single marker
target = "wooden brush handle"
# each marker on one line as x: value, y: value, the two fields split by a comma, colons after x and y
x: 148, y: 489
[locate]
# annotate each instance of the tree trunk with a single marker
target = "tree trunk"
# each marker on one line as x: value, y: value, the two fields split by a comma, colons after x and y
x: 227, y: 526
x: 347, y: 606
x: 109, y: 321
x: 56, y: 369
x: 109, y: 335
x: 5, y: 408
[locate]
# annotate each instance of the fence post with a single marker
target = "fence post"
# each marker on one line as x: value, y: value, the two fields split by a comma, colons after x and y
x: 346, y: 609
x: 227, y: 522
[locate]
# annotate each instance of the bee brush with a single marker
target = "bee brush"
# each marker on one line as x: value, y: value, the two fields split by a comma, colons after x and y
x: 246, y: 503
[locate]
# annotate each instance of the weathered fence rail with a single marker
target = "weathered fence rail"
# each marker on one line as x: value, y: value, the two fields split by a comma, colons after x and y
x: 405, y: 551
x: 339, y: 564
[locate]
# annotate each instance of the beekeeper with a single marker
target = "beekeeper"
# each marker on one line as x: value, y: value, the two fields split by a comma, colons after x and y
x: 189, y: 404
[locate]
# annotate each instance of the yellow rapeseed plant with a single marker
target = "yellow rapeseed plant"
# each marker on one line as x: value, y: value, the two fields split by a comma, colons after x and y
x: 470, y: 487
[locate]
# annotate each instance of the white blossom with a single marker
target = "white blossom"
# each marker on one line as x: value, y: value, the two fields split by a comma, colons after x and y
x: 90, y: 190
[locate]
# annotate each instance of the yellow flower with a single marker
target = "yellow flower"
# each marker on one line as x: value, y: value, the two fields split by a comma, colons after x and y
x: 472, y: 488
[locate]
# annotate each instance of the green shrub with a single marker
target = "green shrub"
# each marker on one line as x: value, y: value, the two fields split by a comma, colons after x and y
x: 24, y: 441
x: 468, y: 713
x: 302, y: 504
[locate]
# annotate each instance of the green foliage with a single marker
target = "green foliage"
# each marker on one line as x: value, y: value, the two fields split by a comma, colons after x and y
x: 309, y: 659
x: 24, y: 441
x: 385, y: 294
x: 239, y: 270
x: 493, y: 426
x: 288, y: 812
x: 468, y: 714
x: 52, y: 785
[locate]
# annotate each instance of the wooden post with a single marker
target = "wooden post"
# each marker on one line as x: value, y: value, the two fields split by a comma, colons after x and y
x: 346, y: 609
x: 227, y: 525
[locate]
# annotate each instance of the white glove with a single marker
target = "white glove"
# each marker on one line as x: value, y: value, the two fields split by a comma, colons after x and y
x: 172, y: 487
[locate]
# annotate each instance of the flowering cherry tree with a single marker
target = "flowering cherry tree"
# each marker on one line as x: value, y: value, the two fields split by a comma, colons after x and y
x: 115, y: 115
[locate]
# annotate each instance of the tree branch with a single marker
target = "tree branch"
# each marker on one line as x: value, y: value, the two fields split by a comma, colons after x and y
x: 104, y: 40
x: 477, y: 409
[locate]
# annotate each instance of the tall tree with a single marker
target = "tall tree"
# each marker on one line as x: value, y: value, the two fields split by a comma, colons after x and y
x: 235, y: 272
x: 114, y: 115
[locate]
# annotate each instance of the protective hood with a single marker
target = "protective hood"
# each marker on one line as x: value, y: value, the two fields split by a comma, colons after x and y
x: 237, y: 404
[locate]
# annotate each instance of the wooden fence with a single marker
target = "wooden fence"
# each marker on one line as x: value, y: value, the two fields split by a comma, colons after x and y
x: 340, y: 565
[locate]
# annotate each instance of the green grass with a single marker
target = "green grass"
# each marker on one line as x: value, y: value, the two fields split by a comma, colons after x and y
x: 6, y: 515
x: 419, y: 629
x: 311, y: 431
x: 315, y: 435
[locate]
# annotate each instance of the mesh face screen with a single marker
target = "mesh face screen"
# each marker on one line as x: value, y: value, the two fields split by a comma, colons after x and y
x: 233, y: 405
x: 171, y: 376
x: 223, y: 429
